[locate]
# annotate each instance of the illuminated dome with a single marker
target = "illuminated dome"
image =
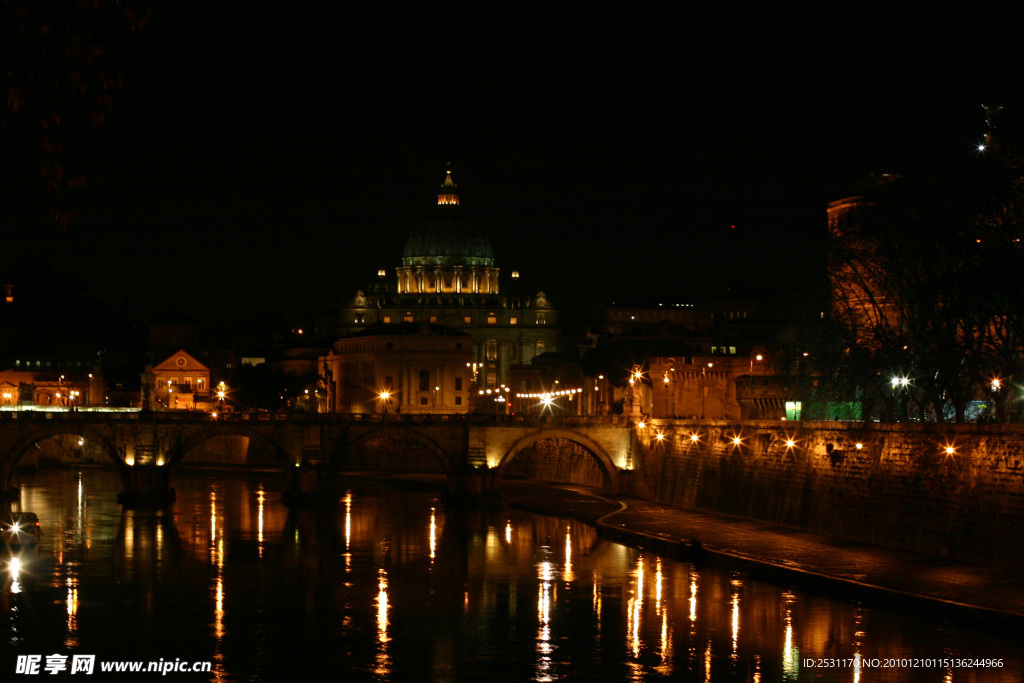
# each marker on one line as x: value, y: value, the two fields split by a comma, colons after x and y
x: 447, y: 243
x: 448, y: 255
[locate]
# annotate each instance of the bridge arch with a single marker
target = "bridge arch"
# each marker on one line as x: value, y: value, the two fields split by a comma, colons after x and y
x: 36, y: 433
x: 227, y: 429
x: 406, y: 432
x: 610, y: 471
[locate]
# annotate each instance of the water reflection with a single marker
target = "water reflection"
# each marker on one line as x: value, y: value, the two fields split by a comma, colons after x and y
x: 383, y: 660
x: 395, y: 585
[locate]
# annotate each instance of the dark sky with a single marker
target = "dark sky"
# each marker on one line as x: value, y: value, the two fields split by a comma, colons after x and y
x: 272, y: 156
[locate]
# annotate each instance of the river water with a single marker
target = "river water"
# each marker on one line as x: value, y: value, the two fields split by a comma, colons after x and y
x: 393, y: 586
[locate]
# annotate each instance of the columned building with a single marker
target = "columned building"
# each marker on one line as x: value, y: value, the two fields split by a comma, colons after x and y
x: 448, y: 276
x: 399, y: 369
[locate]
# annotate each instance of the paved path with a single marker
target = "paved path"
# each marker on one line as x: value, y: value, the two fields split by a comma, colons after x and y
x: 754, y: 543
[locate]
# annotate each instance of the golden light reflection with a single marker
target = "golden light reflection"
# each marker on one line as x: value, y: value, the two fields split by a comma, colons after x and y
x: 790, y: 653
x: 129, y: 542
x: 707, y: 663
x: 693, y: 596
x: 568, y: 574
x: 508, y: 531
x: 382, y: 606
x: 634, y: 610
x: 736, y: 585
x: 433, y: 535
x: 72, y: 604
x: 348, y: 531
x: 260, y: 498
x: 213, y: 516
x: 666, y: 641
x: 382, y: 663
x: 657, y: 588
x: 14, y: 566
x: 544, y: 646
x: 218, y: 610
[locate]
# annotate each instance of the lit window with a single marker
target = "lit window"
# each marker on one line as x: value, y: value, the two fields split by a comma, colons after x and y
x: 433, y: 318
x: 513, y: 320
x: 492, y: 349
x: 467, y: 319
x: 542, y: 319
x: 491, y: 318
x: 407, y: 318
x: 387, y: 320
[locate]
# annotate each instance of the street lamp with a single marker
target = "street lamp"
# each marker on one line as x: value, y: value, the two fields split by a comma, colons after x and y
x: 704, y: 388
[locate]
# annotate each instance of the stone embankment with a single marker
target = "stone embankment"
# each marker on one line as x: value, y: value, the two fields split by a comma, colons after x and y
x: 951, y: 491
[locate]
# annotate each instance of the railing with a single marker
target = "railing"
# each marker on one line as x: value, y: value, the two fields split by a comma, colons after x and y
x: 318, y: 418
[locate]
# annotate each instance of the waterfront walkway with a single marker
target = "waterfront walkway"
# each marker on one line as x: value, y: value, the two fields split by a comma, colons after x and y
x: 761, y: 547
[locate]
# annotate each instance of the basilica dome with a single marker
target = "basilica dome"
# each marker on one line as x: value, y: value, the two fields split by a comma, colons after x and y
x: 448, y: 254
x: 447, y: 243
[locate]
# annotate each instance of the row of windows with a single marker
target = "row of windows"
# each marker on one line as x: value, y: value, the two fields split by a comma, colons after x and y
x: 425, y: 381
x: 48, y: 364
x: 492, y: 349
x: 492, y: 319
x: 730, y: 350
x: 200, y: 382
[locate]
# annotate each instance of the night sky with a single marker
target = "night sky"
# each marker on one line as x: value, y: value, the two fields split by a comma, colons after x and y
x: 262, y: 156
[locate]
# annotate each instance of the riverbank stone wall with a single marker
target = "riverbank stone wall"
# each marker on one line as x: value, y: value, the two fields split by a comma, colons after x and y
x: 945, y: 490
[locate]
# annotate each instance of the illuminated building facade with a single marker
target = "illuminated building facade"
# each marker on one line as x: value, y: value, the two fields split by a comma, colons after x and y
x: 181, y: 383
x: 49, y: 390
x: 405, y: 368
x: 448, y: 277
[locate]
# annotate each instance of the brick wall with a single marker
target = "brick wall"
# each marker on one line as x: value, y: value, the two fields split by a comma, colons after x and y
x: 900, y: 489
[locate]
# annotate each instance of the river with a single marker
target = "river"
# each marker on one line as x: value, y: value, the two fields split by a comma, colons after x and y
x: 394, y: 586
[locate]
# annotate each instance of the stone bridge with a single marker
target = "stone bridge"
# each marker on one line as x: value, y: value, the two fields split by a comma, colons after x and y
x: 473, y: 452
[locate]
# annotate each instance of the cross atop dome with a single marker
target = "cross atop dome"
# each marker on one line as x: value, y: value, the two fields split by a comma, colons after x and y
x: 449, y: 194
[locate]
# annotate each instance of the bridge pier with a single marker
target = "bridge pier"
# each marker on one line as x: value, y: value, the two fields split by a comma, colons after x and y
x: 475, y: 484
x: 311, y: 484
x: 146, y: 485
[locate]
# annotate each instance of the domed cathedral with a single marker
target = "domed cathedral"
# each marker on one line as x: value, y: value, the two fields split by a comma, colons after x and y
x: 448, y: 277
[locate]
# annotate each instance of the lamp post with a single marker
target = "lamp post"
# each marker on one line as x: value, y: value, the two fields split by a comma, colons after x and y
x: 704, y: 388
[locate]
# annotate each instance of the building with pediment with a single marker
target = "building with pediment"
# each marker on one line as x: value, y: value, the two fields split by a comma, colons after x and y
x: 181, y: 383
x: 449, y: 277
